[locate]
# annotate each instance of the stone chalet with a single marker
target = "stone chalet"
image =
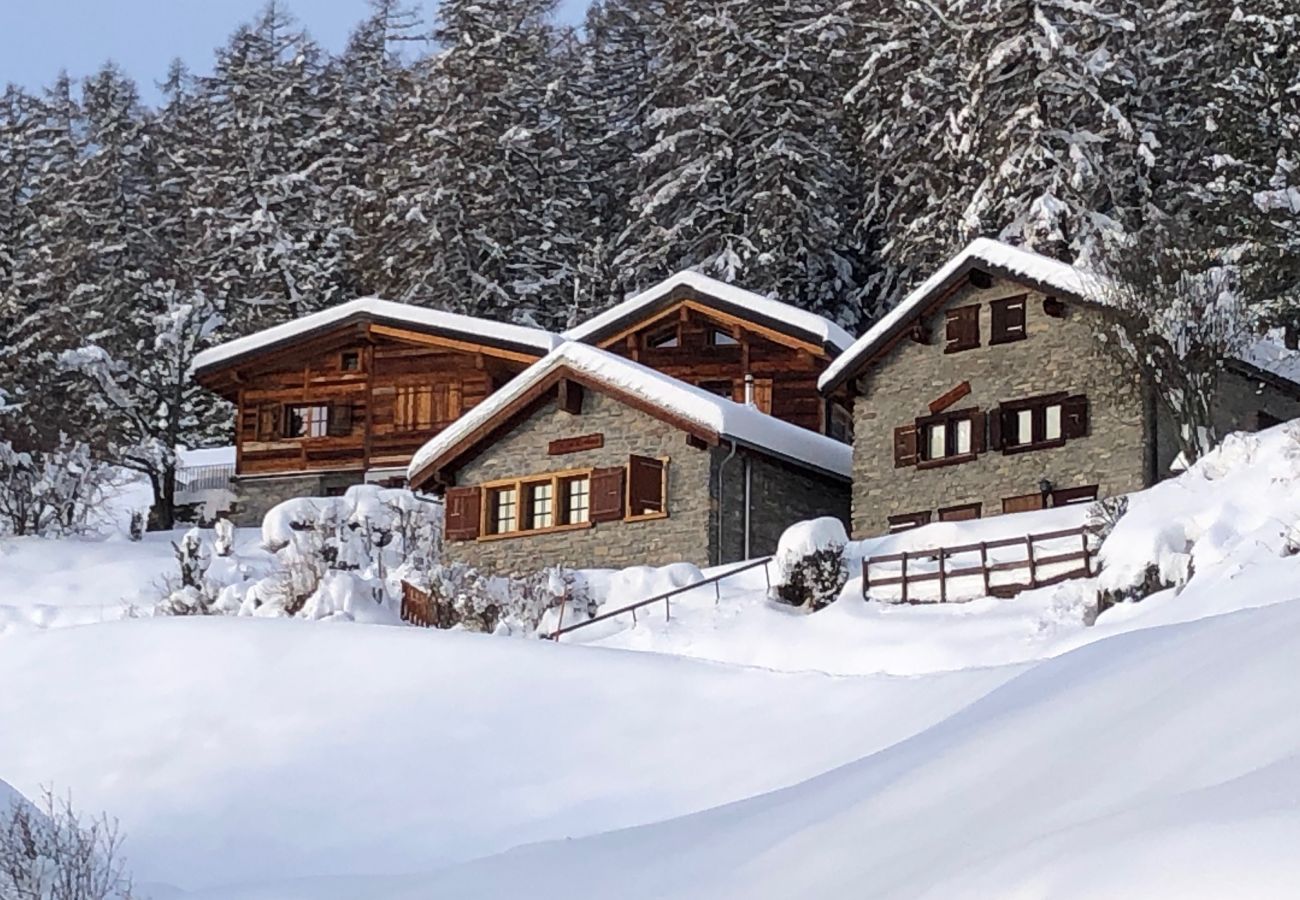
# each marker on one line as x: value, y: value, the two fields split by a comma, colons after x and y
x: 590, y: 459
x: 985, y: 392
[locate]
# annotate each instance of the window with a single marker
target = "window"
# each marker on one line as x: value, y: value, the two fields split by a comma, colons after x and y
x: 503, y: 508
x: 963, y: 513
x: 665, y: 339
x: 1007, y: 320
x: 1068, y: 496
x: 308, y: 420
x: 721, y: 388
x: 841, y: 424
x: 949, y: 437
x: 719, y: 338
x: 575, y: 499
x: 647, y: 490
x: 1022, y: 503
x: 908, y: 520
x: 541, y: 505
x: 350, y: 361
x: 962, y: 328
x: 1039, y: 422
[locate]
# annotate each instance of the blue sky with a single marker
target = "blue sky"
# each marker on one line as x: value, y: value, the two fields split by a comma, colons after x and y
x: 39, y: 37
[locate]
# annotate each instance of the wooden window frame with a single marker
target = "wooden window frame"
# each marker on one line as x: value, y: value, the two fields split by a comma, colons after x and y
x: 949, y: 422
x: 709, y: 384
x: 668, y: 333
x: 663, y: 495
x: 287, y: 418
x: 732, y: 342
x: 563, y: 511
x: 416, y: 427
x: 962, y: 507
x: 1037, y: 407
x: 958, y: 314
x: 908, y: 521
x: 343, y: 361
x: 1042, y: 503
x: 838, y: 411
x: 520, y: 486
x: 999, y: 330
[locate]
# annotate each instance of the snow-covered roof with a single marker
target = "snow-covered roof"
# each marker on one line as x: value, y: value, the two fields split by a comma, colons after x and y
x: 482, y: 330
x: 726, y: 297
x: 727, y: 419
x: 1269, y: 354
x: 1004, y: 259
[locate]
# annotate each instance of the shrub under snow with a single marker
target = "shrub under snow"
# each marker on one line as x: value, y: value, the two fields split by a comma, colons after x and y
x: 809, y: 563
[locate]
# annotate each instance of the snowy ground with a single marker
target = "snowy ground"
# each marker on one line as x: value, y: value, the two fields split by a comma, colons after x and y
x: 998, y: 748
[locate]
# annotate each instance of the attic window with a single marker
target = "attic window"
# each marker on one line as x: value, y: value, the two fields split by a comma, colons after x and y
x: 962, y: 328
x: 1008, y: 320
x: 667, y: 339
x: 350, y: 361
x: 718, y: 338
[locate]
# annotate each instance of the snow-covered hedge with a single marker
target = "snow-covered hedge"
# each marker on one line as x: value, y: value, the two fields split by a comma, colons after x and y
x: 53, y: 492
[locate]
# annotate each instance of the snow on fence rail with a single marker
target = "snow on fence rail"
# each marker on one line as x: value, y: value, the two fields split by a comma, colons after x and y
x: 1045, y: 555
x: 666, y: 597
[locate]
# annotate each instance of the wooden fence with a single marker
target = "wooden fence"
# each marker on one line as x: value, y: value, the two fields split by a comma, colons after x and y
x: 417, y: 606
x: 914, y: 567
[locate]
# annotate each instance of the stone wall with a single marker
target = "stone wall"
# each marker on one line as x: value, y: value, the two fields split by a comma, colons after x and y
x: 684, y: 536
x: 256, y: 495
x: 1058, y: 354
x: 780, y: 495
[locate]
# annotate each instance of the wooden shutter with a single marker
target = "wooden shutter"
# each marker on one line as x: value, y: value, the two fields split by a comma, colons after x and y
x: 962, y: 328
x: 607, y: 495
x: 1007, y: 318
x: 646, y: 486
x: 1074, y: 416
x: 763, y: 395
x: 904, y: 446
x: 1023, y: 503
x: 977, y: 432
x: 270, y: 421
x: 340, y: 419
x: 995, y: 428
x: 463, y: 514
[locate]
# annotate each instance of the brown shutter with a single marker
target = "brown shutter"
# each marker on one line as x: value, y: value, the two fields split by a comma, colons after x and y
x: 995, y: 428
x: 340, y: 419
x: 977, y: 432
x: 646, y: 487
x: 763, y: 395
x: 270, y: 421
x: 463, y: 513
x: 1074, y: 416
x: 904, y: 446
x: 607, y: 495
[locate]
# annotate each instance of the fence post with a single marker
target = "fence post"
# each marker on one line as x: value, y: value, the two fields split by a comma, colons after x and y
x: 866, y: 576
x: 668, y: 607
x: 717, y: 592
x: 904, y: 578
x: 1033, y: 566
x: 1087, y: 558
x: 559, y: 622
x: 943, y: 578
x: 984, y: 564
x: 767, y: 574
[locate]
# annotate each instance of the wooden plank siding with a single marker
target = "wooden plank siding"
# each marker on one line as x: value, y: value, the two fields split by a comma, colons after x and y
x: 399, y: 396
x: 792, y: 371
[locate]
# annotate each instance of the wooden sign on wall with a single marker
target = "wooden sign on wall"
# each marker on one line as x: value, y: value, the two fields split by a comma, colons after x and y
x: 575, y: 444
x: 950, y: 398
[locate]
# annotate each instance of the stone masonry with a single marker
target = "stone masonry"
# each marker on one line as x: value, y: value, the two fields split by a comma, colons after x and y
x: 684, y: 536
x: 256, y: 496
x: 1058, y: 354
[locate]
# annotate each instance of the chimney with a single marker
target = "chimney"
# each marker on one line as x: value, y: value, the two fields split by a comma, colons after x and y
x: 749, y: 389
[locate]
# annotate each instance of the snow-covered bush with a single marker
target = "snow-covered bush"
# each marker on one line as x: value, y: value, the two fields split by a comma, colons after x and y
x: 51, y: 853
x: 1104, y: 515
x: 53, y: 492
x: 461, y: 596
x: 810, y: 566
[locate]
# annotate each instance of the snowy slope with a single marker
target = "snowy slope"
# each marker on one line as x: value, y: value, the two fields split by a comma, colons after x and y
x: 247, y: 749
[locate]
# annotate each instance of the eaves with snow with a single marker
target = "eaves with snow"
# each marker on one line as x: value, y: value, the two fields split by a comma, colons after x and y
x: 372, y: 309
x: 718, y: 295
x: 1266, y: 358
x: 714, y: 419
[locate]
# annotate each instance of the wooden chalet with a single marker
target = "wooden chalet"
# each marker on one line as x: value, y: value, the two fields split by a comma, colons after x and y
x: 712, y: 334
x: 350, y: 393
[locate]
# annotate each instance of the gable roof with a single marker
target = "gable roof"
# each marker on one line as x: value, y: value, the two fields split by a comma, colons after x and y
x: 517, y: 338
x: 773, y: 314
x: 712, y: 417
x: 1043, y: 273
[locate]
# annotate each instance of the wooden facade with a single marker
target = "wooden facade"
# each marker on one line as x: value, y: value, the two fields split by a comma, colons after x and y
x: 361, y: 396
x: 693, y: 342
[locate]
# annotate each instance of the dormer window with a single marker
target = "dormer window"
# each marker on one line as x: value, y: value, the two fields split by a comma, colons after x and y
x: 719, y: 338
x: 665, y: 339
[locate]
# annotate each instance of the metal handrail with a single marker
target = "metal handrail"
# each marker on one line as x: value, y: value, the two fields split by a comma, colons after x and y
x: 202, y: 478
x: 665, y: 597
